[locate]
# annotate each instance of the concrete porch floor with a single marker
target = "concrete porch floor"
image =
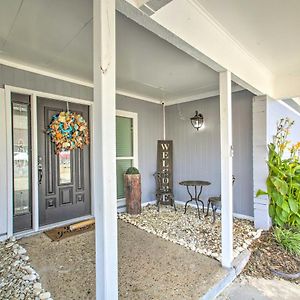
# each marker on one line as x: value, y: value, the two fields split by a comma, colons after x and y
x: 149, y: 267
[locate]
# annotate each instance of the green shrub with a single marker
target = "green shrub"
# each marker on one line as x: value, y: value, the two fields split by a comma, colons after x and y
x: 132, y: 170
x: 283, y: 182
x: 289, y: 239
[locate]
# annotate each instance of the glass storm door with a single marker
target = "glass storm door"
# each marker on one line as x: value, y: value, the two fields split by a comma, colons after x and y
x: 126, y: 155
x: 22, y: 202
x: 64, y: 178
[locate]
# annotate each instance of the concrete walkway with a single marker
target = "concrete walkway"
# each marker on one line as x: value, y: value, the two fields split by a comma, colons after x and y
x: 149, y: 267
x: 261, y: 289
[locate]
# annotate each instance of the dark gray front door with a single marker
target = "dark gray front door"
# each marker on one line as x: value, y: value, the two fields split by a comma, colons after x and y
x: 64, y: 179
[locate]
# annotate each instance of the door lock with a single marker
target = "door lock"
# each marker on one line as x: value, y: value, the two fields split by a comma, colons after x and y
x: 40, y: 170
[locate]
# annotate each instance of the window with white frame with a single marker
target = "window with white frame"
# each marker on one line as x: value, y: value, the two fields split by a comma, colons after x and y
x: 127, y: 149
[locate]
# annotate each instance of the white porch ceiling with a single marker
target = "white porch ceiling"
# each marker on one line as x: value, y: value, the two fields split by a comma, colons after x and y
x: 151, y: 66
x: 56, y: 36
x: 269, y: 30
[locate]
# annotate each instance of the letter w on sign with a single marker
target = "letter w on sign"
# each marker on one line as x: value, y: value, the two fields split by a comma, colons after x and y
x: 165, y: 163
x: 165, y: 146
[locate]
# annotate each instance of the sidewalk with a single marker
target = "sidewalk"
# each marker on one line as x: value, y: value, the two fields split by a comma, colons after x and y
x: 250, y: 288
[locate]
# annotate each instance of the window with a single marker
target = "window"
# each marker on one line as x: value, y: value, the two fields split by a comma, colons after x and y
x: 21, y: 149
x: 21, y: 162
x: 64, y: 162
x: 126, y: 140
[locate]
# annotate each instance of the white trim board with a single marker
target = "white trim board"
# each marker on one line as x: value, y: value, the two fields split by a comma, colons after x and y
x: 289, y: 107
x: 47, y: 95
x: 34, y: 158
x: 3, y: 168
x: 39, y: 71
x: 137, y: 96
x: 9, y: 172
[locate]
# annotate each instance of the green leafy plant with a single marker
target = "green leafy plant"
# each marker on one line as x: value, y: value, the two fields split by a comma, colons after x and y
x: 132, y: 170
x: 283, y: 182
x: 289, y: 239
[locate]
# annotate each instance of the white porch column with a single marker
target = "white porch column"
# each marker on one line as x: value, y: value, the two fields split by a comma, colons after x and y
x: 104, y: 150
x: 226, y: 167
x: 260, y: 156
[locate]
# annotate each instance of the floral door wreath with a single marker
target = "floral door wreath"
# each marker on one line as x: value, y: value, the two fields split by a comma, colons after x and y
x: 69, y: 131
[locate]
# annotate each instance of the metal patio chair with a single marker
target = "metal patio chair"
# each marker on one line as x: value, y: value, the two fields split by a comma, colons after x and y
x: 163, y: 193
x: 215, y: 203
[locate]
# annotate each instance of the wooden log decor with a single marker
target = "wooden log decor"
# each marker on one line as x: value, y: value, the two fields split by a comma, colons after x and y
x: 165, y: 165
x: 81, y: 224
x: 132, y: 184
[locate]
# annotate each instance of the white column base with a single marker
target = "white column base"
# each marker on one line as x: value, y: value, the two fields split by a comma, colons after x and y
x: 262, y: 219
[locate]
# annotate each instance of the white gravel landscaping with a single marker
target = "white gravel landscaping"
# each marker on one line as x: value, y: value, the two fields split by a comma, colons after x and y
x: 18, y: 280
x: 187, y: 230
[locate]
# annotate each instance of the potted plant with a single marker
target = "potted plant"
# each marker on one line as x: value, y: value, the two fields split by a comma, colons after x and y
x: 132, y: 185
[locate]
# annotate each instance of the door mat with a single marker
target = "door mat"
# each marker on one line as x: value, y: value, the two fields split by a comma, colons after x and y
x: 59, y: 233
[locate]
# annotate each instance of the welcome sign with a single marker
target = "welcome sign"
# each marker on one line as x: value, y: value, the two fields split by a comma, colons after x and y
x: 165, y: 165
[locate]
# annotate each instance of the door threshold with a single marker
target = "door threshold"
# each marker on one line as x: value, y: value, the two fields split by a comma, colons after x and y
x: 51, y: 226
x: 65, y: 223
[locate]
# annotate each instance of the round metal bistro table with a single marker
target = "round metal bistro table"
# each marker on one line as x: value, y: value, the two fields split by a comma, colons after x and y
x: 196, y: 197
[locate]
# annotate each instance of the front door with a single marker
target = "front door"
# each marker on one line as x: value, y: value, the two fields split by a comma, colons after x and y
x: 64, y: 178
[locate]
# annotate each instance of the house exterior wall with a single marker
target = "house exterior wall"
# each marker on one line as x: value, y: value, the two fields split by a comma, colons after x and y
x: 197, y: 154
x: 150, y: 129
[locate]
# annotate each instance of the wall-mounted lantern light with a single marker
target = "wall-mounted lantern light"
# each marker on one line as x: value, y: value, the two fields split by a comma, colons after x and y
x: 197, y: 120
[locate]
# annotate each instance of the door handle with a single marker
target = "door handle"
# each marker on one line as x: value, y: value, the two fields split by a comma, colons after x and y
x: 40, y: 173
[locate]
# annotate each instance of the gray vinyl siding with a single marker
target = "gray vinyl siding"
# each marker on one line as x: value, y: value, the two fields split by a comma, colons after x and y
x: 197, y: 154
x: 149, y: 131
x: 24, y: 79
